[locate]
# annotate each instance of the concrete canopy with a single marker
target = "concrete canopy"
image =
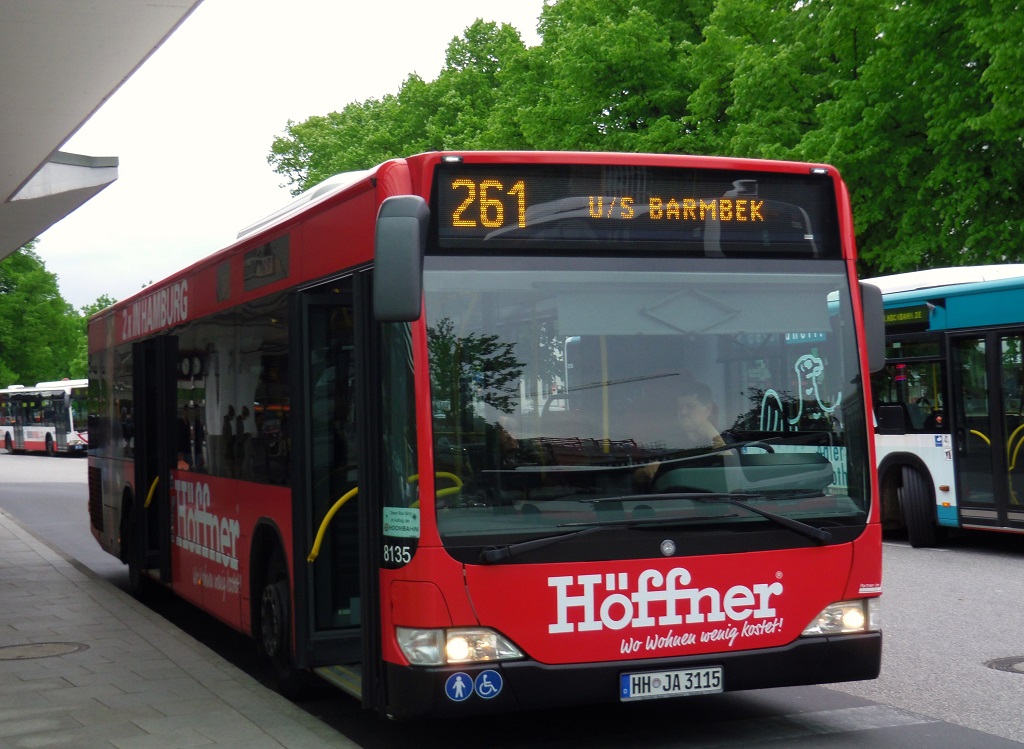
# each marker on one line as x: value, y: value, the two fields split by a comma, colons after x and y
x: 61, y: 59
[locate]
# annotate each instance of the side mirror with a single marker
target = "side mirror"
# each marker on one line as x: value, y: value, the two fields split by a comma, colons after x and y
x: 874, y: 325
x: 399, y: 243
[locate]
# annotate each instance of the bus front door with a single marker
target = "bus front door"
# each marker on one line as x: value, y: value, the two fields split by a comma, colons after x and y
x: 331, y: 512
x: 988, y: 385
x: 62, y: 421
x: 21, y: 414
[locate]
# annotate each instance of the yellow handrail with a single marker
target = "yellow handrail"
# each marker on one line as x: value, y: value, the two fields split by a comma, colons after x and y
x: 315, y: 551
x: 441, y: 474
x: 152, y: 489
x: 1009, y: 446
x: 987, y: 440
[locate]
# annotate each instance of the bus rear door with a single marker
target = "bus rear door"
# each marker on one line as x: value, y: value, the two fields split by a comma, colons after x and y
x: 154, y: 384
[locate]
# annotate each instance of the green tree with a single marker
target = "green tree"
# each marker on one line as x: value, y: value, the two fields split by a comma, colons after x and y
x: 360, y: 135
x: 928, y: 135
x: 610, y: 75
x: 917, y: 103
x: 453, y: 112
x: 480, y: 66
x: 80, y: 362
x: 39, y: 331
x: 762, y: 55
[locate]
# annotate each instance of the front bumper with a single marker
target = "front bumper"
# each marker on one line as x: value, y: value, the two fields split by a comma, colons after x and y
x: 528, y: 685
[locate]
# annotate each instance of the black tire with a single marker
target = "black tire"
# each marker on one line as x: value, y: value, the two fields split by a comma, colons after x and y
x: 918, y: 510
x: 50, y: 450
x: 8, y: 444
x: 139, y: 584
x: 274, y: 635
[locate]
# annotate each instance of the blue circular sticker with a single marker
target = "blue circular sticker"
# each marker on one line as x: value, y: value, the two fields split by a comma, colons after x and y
x: 458, y: 687
x: 488, y: 684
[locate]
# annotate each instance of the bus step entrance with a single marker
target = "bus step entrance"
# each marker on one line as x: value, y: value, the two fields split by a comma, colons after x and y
x: 347, y: 678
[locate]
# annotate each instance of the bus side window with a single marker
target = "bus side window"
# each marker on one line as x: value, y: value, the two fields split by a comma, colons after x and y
x: 892, y: 418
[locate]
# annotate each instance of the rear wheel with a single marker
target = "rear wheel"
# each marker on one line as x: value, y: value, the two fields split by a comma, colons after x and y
x: 50, y: 450
x: 8, y: 444
x: 918, y: 509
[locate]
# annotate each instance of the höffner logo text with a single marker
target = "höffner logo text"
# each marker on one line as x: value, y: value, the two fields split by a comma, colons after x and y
x: 587, y: 603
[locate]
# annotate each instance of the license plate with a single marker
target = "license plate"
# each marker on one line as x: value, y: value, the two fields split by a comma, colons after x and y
x: 650, y: 685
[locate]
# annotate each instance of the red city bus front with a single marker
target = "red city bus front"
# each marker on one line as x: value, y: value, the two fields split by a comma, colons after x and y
x: 596, y: 632
x: 645, y: 443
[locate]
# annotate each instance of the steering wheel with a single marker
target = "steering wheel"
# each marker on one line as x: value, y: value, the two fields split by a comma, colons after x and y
x: 755, y: 443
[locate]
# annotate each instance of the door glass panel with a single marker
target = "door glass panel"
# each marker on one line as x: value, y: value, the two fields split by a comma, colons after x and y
x: 1011, y: 377
x: 974, y: 432
x: 334, y: 461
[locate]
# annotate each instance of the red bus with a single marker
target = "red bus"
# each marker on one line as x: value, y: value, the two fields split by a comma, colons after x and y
x: 48, y: 417
x: 481, y: 432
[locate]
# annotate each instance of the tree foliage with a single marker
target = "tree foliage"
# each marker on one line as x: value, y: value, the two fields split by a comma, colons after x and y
x: 39, y: 331
x: 453, y: 112
x: 917, y: 103
x: 80, y: 362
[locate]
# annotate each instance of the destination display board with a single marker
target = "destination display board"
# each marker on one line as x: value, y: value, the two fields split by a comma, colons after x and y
x: 702, y: 211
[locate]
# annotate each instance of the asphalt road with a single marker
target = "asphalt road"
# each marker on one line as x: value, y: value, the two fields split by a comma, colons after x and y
x: 952, y: 674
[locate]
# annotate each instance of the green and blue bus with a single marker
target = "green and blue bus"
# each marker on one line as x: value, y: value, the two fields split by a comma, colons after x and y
x: 949, y: 404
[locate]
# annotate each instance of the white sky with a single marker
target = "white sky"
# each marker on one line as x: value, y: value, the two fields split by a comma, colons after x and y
x: 193, y: 127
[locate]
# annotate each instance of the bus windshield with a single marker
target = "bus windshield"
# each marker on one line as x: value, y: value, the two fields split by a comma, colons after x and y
x: 568, y: 395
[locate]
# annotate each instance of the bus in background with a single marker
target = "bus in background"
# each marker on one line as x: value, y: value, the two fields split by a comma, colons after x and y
x: 481, y: 432
x: 949, y: 405
x: 50, y: 417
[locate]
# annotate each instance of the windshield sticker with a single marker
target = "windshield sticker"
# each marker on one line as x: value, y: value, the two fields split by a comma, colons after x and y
x: 809, y: 370
x: 402, y: 522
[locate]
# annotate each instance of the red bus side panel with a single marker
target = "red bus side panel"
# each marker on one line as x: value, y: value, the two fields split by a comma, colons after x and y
x: 212, y: 521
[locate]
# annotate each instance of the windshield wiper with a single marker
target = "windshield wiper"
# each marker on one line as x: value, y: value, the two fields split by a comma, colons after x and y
x: 494, y: 554
x: 797, y: 526
x: 804, y: 529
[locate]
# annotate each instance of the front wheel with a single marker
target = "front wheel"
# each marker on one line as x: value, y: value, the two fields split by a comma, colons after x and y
x: 274, y: 634
x: 918, y: 510
x: 139, y: 583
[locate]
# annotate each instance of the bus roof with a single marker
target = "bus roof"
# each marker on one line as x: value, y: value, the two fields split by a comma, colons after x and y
x: 957, y: 298
x: 329, y: 186
x: 46, y: 386
x: 936, y: 277
x: 61, y: 384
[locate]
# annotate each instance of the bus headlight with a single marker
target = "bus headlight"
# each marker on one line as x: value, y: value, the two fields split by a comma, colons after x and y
x: 845, y: 617
x: 437, y: 647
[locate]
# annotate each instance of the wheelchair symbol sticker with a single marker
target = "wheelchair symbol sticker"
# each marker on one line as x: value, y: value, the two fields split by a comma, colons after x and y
x: 458, y: 687
x: 488, y: 684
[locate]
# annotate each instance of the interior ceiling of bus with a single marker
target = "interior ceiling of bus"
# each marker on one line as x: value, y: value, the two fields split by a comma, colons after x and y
x: 61, y: 61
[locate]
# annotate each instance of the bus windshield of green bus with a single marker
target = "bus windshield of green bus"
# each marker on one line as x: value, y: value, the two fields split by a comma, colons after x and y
x: 567, y: 394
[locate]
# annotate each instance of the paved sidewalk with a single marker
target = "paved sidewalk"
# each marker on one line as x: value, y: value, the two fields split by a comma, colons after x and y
x: 84, y: 665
